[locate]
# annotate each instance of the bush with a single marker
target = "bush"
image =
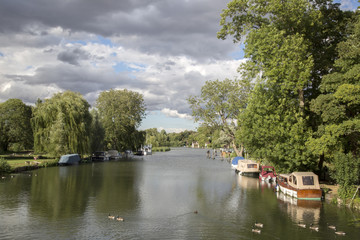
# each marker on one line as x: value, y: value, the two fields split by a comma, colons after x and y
x: 346, y: 173
x: 4, y: 166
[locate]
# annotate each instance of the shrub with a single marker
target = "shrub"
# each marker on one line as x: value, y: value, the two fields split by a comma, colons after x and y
x: 4, y: 166
x: 346, y: 173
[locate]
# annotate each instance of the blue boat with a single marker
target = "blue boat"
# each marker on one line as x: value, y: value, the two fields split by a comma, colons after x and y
x: 69, y: 159
x: 235, y: 160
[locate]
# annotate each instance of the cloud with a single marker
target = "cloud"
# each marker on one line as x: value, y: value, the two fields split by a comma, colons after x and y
x: 174, y: 113
x: 165, y: 50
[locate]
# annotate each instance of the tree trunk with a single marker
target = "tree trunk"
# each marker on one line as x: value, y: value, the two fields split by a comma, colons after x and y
x: 238, y: 153
x: 301, y: 99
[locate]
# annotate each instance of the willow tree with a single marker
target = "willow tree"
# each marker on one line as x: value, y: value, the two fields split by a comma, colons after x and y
x: 290, y: 45
x: 219, y: 105
x: 121, y: 112
x: 62, y: 124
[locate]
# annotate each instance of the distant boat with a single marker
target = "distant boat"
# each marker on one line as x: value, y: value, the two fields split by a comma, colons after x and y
x: 114, y: 155
x: 100, y: 156
x: 300, y: 185
x: 69, y: 159
x: 267, y: 174
x: 145, y: 150
x: 234, y: 161
x: 247, y: 167
x: 128, y: 154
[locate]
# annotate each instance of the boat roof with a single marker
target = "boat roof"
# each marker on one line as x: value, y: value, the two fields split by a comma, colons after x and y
x: 299, y: 174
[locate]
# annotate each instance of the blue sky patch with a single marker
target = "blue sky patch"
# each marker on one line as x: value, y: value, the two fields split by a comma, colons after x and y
x: 126, y: 67
x: 1, y: 54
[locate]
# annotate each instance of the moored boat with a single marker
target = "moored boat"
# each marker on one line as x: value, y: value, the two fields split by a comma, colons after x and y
x: 247, y: 167
x: 267, y: 174
x: 301, y: 185
x: 235, y: 161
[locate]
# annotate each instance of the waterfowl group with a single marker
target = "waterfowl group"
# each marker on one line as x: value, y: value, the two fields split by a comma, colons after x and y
x: 259, y: 225
x: 117, y: 218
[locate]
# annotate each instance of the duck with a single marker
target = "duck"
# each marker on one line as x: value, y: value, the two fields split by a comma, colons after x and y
x: 111, y: 216
x: 118, y: 218
x: 302, y: 225
x: 340, y: 233
x: 331, y: 227
x: 196, y: 212
x: 260, y: 225
x: 314, y: 228
x: 254, y: 230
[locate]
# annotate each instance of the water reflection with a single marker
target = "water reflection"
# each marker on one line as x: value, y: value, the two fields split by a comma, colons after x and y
x: 304, y: 211
x: 246, y: 182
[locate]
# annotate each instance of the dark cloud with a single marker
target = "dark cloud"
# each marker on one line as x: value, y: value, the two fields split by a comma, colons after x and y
x: 73, y: 56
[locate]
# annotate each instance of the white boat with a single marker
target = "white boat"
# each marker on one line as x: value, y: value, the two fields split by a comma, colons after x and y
x: 300, y: 185
x: 247, y: 167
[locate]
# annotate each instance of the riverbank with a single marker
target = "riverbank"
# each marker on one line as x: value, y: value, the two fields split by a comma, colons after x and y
x: 331, y: 196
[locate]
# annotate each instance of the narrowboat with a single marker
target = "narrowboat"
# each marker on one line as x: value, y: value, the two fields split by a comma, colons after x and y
x: 300, y: 185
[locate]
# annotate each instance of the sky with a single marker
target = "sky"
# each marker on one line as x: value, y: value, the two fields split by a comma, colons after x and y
x: 164, y: 49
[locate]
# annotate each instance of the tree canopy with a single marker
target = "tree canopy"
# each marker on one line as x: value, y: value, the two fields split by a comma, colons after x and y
x: 121, y: 112
x: 62, y: 124
x: 290, y: 46
x: 15, y: 128
x: 219, y: 105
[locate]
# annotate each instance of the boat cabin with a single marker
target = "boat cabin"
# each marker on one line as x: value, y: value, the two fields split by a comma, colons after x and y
x: 247, y: 167
x: 300, y: 180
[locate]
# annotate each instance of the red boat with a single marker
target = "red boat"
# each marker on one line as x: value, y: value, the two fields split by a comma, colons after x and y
x: 267, y: 174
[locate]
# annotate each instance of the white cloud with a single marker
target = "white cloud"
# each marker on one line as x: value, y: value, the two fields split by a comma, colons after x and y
x: 174, y: 113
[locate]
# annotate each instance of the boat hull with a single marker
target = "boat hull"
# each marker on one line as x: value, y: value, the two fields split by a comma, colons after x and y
x: 304, y: 194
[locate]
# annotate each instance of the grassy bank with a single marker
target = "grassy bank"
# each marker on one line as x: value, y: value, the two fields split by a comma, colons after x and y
x: 161, y: 149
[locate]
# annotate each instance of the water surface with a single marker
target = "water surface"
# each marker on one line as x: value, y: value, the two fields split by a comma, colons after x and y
x: 157, y: 196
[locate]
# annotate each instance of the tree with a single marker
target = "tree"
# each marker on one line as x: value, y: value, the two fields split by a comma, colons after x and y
x: 290, y: 46
x: 121, y: 112
x: 15, y: 128
x: 339, y: 107
x: 219, y: 105
x: 62, y: 124
x: 97, y: 132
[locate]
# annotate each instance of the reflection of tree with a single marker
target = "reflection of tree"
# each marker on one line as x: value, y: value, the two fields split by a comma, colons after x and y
x: 61, y: 192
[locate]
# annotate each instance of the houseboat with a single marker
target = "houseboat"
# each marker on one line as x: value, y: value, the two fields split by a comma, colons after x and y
x: 267, y: 174
x: 300, y: 185
x: 69, y: 159
x: 247, y: 167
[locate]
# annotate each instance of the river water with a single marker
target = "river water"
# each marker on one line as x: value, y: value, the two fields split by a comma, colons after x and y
x: 157, y: 196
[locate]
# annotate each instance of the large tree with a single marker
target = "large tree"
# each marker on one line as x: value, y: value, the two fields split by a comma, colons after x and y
x: 290, y: 45
x: 121, y: 112
x: 219, y: 105
x: 15, y: 128
x: 62, y: 124
x: 337, y: 137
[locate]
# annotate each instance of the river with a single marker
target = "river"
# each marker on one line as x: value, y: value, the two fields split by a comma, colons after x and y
x: 158, y: 197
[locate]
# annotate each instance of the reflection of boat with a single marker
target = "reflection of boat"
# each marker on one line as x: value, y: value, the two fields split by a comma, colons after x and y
x: 247, y: 167
x: 247, y: 183
x: 69, y: 159
x: 301, y: 185
x: 304, y: 211
x: 267, y: 173
x: 234, y: 161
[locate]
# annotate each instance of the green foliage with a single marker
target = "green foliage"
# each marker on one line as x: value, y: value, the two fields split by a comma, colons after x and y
x: 15, y: 128
x: 220, y: 103
x: 346, y: 172
x: 161, y: 149
x: 62, y: 124
x: 121, y: 112
x: 97, y: 133
x: 290, y: 46
x: 4, y: 166
x: 157, y: 139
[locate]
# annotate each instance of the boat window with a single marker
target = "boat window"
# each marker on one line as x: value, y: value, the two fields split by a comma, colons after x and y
x: 308, y: 180
x: 290, y: 179
x: 294, y: 178
x: 252, y: 166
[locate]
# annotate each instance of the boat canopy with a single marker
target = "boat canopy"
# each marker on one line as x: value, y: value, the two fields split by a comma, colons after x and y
x: 236, y: 160
x: 69, y: 159
x: 302, y: 180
